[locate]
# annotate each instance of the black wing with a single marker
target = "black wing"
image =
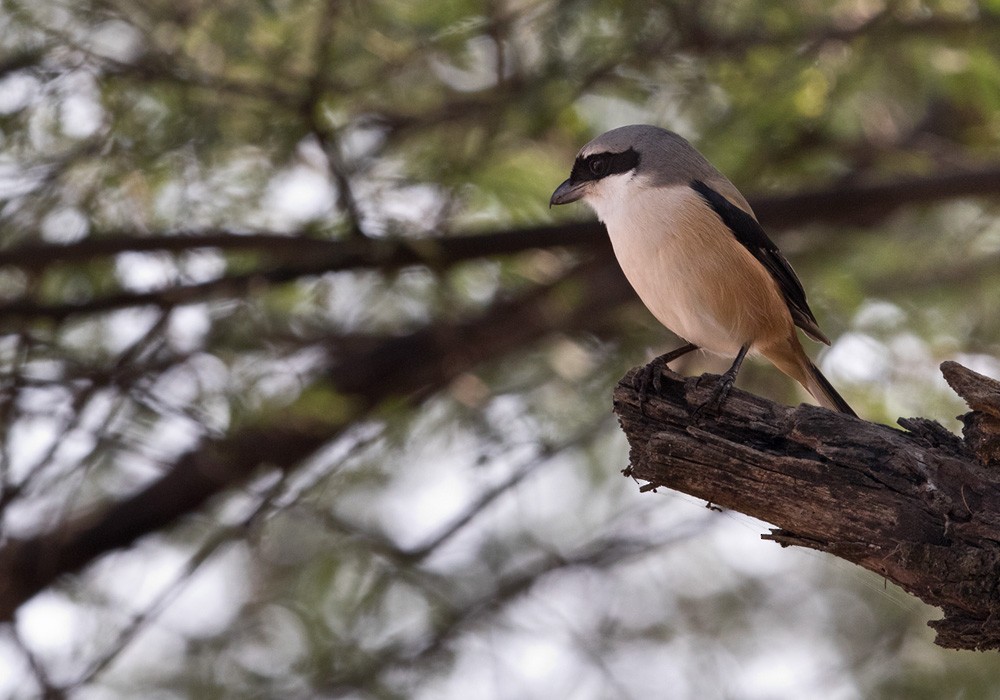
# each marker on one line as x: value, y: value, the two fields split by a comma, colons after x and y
x: 749, y: 233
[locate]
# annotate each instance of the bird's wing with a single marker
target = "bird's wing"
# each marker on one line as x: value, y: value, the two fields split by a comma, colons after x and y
x: 749, y: 233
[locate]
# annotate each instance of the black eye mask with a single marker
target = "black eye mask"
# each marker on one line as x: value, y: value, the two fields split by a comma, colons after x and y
x: 599, y: 165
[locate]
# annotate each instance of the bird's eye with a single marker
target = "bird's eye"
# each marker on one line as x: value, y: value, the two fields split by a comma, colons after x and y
x: 599, y: 166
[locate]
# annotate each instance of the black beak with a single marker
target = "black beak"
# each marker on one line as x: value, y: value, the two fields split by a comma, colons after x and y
x: 568, y: 192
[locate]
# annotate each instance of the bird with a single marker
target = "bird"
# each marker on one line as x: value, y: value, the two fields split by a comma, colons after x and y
x: 693, y: 250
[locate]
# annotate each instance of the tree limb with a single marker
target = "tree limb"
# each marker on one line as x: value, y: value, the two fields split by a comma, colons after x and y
x: 301, y: 256
x: 919, y: 506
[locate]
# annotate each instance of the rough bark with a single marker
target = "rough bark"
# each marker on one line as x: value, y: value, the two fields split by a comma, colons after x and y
x: 920, y: 506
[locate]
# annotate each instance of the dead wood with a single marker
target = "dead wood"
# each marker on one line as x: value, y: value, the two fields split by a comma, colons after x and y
x: 920, y: 506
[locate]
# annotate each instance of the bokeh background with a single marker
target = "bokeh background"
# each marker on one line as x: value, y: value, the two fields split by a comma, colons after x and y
x: 304, y: 391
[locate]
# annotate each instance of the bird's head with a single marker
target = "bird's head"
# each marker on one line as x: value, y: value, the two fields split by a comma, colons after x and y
x: 619, y: 163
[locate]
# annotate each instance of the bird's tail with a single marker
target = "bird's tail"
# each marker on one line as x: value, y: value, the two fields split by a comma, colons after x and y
x: 791, y: 359
x: 821, y: 390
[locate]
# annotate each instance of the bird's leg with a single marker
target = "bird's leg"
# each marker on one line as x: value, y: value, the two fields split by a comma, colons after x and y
x: 651, y: 376
x: 726, y: 382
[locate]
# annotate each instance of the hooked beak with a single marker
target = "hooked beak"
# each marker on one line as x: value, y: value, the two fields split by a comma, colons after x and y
x: 568, y: 192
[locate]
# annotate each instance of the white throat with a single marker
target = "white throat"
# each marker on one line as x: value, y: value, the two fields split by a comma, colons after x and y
x: 610, y: 198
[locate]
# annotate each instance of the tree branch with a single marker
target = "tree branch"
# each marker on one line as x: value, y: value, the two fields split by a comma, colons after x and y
x: 920, y: 507
x: 851, y: 203
x: 301, y: 256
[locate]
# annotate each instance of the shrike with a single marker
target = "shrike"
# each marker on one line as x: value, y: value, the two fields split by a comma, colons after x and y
x: 691, y: 247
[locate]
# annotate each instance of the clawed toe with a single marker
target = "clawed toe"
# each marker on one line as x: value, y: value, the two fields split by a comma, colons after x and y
x: 724, y: 385
x: 719, y: 395
x: 648, y: 380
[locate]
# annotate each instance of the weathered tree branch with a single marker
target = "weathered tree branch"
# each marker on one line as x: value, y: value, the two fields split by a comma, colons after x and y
x: 919, y: 506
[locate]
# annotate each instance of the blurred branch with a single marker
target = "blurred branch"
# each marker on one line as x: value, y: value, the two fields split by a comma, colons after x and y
x: 881, y: 26
x: 937, y: 276
x: 921, y: 508
x: 140, y: 621
x: 311, y: 257
x: 865, y: 204
x: 45, y: 470
x: 475, y: 508
x: 602, y: 553
x: 373, y: 368
x: 367, y: 369
x: 170, y: 71
x: 47, y: 690
x: 19, y: 60
x: 312, y: 115
x: 29, y: 565
x: 332, y: 255
x: 845, y: 204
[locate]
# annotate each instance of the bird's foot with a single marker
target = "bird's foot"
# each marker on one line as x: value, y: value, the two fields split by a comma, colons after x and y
x: 723, y: 386
x: 719, y: 395
x: 649, y: 379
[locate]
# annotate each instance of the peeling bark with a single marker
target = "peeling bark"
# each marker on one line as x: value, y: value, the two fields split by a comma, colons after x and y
x: 920, y: 506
